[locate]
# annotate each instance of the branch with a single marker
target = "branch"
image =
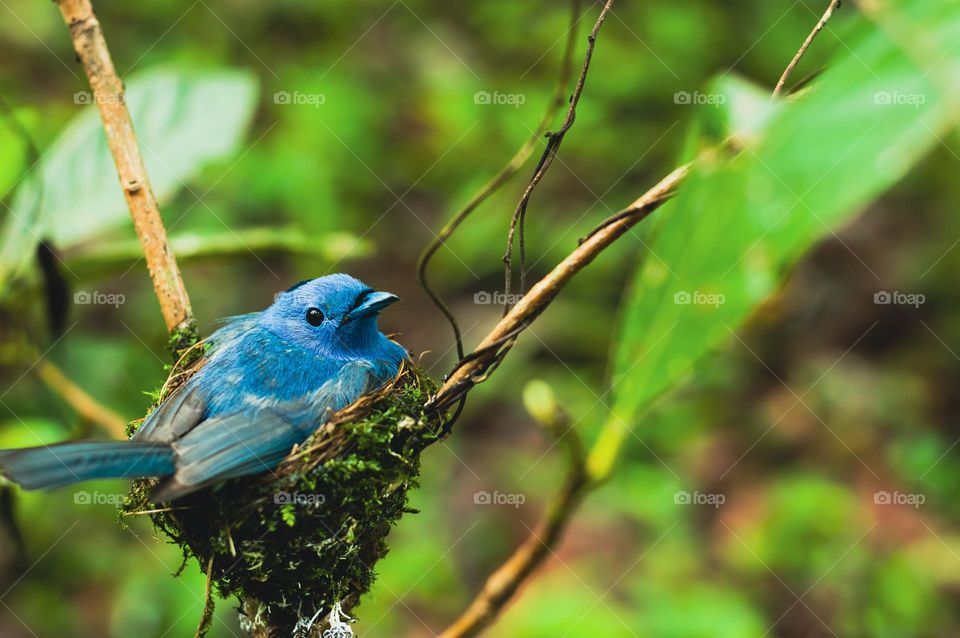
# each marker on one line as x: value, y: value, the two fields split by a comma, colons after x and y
x: 504, y: 582
x: 474, y: 368
x: 78, y: 399
x: 108, y: 95
x: 834, y: 5
x: 209, y: 604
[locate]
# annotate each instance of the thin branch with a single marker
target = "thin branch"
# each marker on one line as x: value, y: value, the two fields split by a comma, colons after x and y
x: 834, y: 5
x: 502, y: 584
x: 553, y: 145
x: 78, y: 399
x: 498, y: 180
x: 474, y: 368
x: 209, y: 604
x: 108, y: 95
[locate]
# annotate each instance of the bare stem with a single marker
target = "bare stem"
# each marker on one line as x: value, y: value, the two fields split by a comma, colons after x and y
x: 546, y: 159
x: 108, y: 95
x: 833, y: 6
x: 502, y: 584
x: 209, y: 604
x: 474, y: 367
x: 498, y: 180
x: 84, y: 404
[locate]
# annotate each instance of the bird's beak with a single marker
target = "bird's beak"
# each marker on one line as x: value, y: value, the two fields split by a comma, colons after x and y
x: 373, y: 303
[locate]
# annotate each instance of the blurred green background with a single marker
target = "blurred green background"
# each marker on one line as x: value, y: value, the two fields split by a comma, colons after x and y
x: 816, y: 442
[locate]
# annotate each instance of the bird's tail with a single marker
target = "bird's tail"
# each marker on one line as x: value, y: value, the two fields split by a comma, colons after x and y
x: 67, y: 463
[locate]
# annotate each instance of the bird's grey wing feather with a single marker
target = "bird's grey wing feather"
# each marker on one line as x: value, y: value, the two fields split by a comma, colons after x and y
x: 228, y: 447
x: 242, y: 444
x: 176, y: 416
x: 185, y: 408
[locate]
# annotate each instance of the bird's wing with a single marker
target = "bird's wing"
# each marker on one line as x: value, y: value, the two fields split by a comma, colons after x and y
x: 176, y: 416
x: 241, y: 444
x: 227, y: 447
x: 184, y: 409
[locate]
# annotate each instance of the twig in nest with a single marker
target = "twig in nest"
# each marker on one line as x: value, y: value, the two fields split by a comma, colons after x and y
x: 833, y: 6
x: 206, y: 620
x: 498, y: 180
x: 553, y: 145
x: 91, y: 48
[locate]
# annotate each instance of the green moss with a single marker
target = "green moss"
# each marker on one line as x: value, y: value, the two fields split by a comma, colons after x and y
x: 186, y: 350
x: 296, y: 542
x: 182, y: 341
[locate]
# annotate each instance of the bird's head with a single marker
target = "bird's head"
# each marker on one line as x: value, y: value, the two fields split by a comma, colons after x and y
x: 334, y: 315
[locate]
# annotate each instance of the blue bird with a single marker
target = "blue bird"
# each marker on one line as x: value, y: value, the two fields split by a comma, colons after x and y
x: 268, y: 380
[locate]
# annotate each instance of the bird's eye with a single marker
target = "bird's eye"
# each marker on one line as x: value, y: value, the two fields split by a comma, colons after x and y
x: 314, y: 316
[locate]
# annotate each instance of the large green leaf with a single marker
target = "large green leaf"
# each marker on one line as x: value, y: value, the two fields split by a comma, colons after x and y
x: 183, y: 121
x: 735, y: 228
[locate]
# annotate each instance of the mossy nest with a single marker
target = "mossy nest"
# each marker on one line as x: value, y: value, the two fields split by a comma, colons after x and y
x: 294, y: 542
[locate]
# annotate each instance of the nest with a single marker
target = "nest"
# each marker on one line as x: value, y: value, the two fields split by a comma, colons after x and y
x: 293, y: 543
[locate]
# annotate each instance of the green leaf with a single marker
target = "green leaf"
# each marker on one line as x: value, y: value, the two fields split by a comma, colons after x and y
x: 183, y: 120
x: 726, y: 241
x: 738, y: 108
x: 13, y: 146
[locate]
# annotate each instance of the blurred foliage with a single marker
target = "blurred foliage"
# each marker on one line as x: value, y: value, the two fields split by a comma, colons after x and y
x: 183, y: 121
x: 317, y: 137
